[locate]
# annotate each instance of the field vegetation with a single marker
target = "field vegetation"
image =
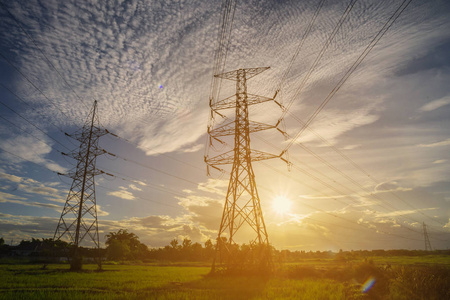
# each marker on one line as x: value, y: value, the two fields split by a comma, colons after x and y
x: 328, y: 279
x: 182, y: 271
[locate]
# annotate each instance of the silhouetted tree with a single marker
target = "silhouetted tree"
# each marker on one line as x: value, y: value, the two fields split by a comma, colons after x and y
x: 174, y: 244
x: 123, y: 245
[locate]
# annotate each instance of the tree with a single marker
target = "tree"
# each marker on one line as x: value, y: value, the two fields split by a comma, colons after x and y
x: 124, y: 245
x: 209, y: 249
x: 174, y: 244
x: 3, y: 247
x: 186, y: 244
x: 118, y: 250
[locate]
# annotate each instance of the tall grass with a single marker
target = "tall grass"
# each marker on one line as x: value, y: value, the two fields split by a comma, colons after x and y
x: 153, y: 282
x: 336, y: 281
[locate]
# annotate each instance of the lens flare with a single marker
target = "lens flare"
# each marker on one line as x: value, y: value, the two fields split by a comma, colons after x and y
x: 368, y: 284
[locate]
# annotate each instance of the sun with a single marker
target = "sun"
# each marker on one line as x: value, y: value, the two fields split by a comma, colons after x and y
x: 281, y: 205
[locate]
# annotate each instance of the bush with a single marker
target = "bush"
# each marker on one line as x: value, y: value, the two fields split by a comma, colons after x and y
x: 373, y: 280
x: 425, y: 282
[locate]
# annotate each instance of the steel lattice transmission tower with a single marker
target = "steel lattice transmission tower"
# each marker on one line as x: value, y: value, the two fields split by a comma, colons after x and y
x: 78, y: 222
x: 427, y: 239
x: 242, y: 207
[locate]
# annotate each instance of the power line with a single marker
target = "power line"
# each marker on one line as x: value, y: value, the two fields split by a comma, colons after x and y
x: 163, y: 154
x: 43, y: 141
x: 30, y: 82
x: 370, y: 194
x: 362, y: 56
x: 29, y: 122
x: 135, y: 180
x: 26, y: 103
x: 320, y: 55
x: 165, y: 204
x: 334, y: 215
x: 27, y: 160
x: 145, y: 199
x: 355, y: 165
x: 152, y: 168
x: 331, y: 187
x: 220, y: 56
x: 297, y: 52
x: 42, y: 52
x: 372, y: 44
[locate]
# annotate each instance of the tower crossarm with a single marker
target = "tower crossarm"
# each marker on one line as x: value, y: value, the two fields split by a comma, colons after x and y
x: 249, y: 73
x: 228, y: 157
x: 260, y: 155
x: 82, y: 135
x: 77, y: 154
x: 76, y: 174
x: 230, y: 102
x: 229, y: 128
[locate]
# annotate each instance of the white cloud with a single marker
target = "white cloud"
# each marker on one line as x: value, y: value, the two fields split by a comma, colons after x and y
x: 437, y: 144
x: 194, y: 148
x: 389, y: 186
x: 9, y: 198
x: 133, y: 187
x: 334, y: 123
x: 140, y: 182
x: 403, y: 212
x: 121, y: 55
x: 194, y: 200
x: 10, y: 177
x: 122, y: 193
x: 215, y: 186
x: 351, y: 147
x: 439, y: 161
x: 30, y: 149
x: 31, y: 186
x: 436, y: 104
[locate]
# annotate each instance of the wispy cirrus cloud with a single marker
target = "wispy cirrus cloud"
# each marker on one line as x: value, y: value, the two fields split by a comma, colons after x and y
x: 149, y: 64
x: 436, y: 104
x: 436, y: 144
x: 33, y: 187
x: 28, y: 148
x: 122, y: 193
x: 13, y: 199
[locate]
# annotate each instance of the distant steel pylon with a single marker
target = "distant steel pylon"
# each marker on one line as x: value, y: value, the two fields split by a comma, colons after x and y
x: 242, y: 207
x: 78, y: 221
x: 427, y: 239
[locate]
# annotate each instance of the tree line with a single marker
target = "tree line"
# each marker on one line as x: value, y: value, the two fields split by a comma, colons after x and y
x: 126, y: 246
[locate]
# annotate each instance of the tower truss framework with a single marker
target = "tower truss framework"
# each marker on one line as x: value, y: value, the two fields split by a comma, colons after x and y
x: 242, y: 210
x: 78, y: 222
x: 427, y: 238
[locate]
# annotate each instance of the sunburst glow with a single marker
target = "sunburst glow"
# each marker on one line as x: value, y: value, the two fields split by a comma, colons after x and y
x: 281, y: 205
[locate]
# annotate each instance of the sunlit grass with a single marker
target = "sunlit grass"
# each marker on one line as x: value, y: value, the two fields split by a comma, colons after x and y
x: 152, y: 282
x: 310, y: 279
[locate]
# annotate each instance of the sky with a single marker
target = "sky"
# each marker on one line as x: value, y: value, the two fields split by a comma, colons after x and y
x: 371, y: 168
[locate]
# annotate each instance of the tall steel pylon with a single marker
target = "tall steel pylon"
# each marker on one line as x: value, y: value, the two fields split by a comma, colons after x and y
x: 78, y: 221
x: 427, y: 239
x: 242, y: 207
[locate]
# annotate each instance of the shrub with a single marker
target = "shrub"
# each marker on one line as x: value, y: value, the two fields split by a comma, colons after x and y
x: 424, y: 282
x: 373, y: 280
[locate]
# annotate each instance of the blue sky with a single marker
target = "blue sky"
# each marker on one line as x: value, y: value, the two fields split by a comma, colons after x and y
x: 375, y: 166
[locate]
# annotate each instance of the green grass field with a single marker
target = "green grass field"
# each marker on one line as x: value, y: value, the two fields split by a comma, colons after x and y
x: 304, y: 280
